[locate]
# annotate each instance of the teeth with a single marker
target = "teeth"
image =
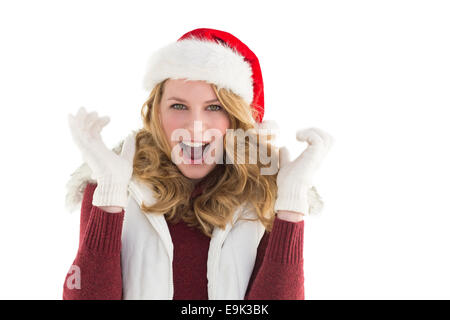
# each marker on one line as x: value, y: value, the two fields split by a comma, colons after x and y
x: 194, y: 144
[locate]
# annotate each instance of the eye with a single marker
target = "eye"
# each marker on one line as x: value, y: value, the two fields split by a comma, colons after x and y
x: 216, y: 109
x: 176, y: 104
x: 179, y: 106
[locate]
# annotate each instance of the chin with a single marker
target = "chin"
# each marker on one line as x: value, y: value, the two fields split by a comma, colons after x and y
x: 195, y: 171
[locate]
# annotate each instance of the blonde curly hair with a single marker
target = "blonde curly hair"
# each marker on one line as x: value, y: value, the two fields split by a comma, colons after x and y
x: 225, y: 188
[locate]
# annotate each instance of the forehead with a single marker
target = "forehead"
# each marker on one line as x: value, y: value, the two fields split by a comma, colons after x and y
x: 188, y: 89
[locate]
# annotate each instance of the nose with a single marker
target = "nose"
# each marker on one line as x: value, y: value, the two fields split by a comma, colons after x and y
x: 197, y: 123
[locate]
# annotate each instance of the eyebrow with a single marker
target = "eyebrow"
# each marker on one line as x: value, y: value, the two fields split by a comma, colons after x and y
x: 181, y: 100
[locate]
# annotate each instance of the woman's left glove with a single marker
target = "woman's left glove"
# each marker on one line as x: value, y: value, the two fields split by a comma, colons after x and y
x: 295, y: 177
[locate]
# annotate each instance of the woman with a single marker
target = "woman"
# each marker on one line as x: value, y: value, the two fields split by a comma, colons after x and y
x: 174, y: 212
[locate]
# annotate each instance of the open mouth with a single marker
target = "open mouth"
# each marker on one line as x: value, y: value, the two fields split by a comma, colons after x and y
x: 194, y: 150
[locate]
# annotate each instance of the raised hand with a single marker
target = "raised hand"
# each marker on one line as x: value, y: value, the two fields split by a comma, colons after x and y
x: 295, y: 177
x: 112, y: 172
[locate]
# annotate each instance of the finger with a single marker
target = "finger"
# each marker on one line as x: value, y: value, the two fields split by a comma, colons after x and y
x: 101, y: 123
x: 90, y: 121
x: 80, y: 118
x: 74, y: 129
x: 310, y: 136
x: 326, y: 137
x: 92, y: 116
x: 284, y: 156
x: 81, y: 113
x: 97, y: 126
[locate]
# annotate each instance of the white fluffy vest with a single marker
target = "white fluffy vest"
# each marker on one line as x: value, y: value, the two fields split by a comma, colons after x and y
x: 147, y: 252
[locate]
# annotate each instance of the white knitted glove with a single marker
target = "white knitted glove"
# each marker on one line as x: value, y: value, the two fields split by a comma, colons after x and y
x: 111, y: 171
x: 295, y: 177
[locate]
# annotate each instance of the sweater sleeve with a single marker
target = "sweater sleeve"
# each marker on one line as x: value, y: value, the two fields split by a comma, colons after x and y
x: 96, y: 271
x: 278, y: 270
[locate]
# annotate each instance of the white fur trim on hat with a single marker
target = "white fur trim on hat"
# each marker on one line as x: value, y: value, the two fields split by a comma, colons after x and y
x: 195, y: 59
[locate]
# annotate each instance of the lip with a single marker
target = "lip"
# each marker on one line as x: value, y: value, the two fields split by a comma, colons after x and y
x: 200, y: 161
x: 189, y: 141
x: 201, y: 145
x: 204, y: 144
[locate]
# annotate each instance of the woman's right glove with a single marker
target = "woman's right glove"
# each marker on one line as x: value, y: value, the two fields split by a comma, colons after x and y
x: 111, y: 171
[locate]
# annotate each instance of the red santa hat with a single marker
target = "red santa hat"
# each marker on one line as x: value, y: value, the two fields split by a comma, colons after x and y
x: 214, y: 56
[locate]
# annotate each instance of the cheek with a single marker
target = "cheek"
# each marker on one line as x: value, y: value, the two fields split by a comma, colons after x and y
x: 222, y: 123
x: 171, y: 122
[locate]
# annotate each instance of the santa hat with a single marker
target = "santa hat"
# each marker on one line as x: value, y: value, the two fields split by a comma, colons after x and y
x: 214, y: 56
x: 202, y: 54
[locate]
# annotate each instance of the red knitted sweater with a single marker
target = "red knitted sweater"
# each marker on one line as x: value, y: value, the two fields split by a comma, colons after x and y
x: 277, y: 274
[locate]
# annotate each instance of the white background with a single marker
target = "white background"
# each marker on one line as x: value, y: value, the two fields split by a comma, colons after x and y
x: 373, y: 74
